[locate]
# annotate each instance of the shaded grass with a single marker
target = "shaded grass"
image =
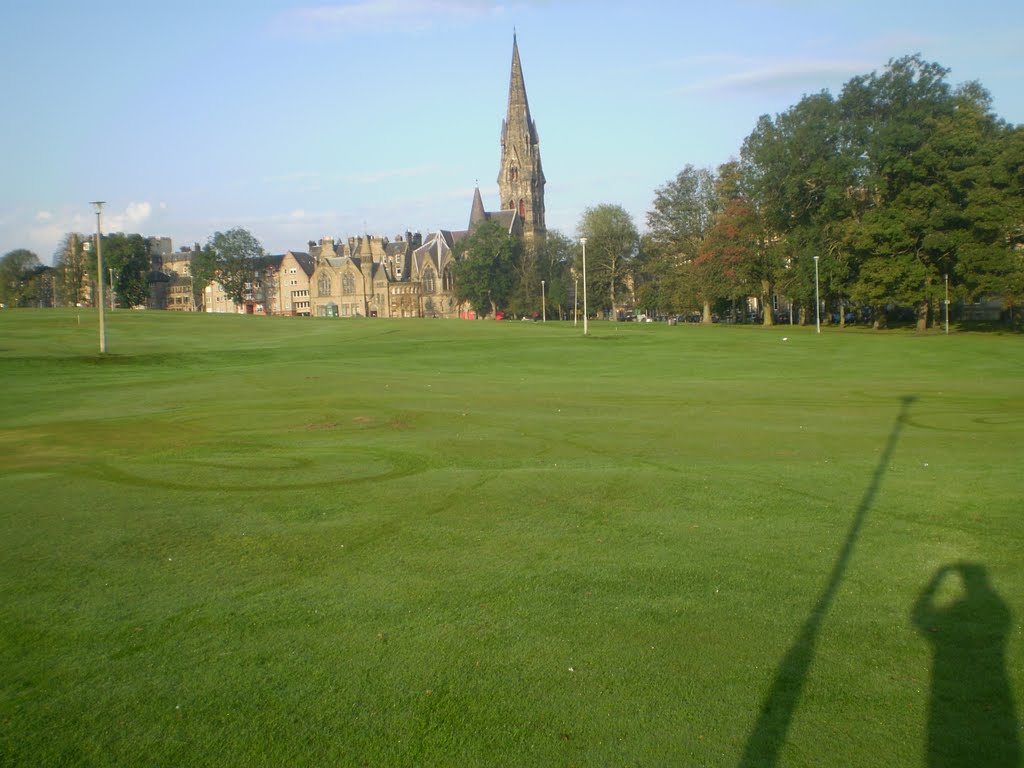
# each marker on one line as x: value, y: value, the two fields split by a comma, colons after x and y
x: 259, y: 540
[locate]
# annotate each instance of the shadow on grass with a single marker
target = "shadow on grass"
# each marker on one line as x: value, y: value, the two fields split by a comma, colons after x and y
x: 971, y: 719
x: 769, y: 734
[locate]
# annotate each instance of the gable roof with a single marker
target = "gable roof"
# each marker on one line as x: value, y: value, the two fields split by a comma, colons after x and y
x: 304, y: 260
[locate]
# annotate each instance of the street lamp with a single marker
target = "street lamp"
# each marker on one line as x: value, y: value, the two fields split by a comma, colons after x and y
x: 586, y: 330
x: 543, y: 304
x: 576, y: 303
x: 817, y: 300
x: 947, y: 303
x: 98, y: 204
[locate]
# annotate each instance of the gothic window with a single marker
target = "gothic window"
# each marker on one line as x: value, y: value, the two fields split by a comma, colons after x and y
x: 323, y: 285
x: 428, y: 281
x: 348, y: 285
x: 513, y: 173
x: 446, y: 279
x: 522, y: 208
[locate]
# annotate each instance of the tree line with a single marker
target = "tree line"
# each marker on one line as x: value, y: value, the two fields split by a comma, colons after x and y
x: 234, y: 258
x: 893, y: 191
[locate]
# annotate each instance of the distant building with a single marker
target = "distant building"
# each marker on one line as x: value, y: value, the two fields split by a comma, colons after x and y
x: 293, y: 284
x: 521, y: 176
x: 372, y: 276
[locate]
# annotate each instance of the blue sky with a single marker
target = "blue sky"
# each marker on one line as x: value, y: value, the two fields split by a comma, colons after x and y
x: 298, y: 120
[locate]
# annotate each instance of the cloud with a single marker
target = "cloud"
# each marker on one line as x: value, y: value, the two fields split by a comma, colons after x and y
x: 129, y: 220
x: 757, y: 77
x: 375, y: 177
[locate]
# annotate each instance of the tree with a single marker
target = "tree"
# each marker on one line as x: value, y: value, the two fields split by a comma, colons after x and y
x: 203, y: 270
x: 683, y: 212
x: 554, y: 252
x: 484, y: 267
x: 72, y: 272
x: 17, y: 268
x: 612, y: 246
x: 128, y: 259
x: 237, y: 255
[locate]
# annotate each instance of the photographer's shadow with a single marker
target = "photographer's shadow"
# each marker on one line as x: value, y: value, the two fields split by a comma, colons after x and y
x: 971, y: 717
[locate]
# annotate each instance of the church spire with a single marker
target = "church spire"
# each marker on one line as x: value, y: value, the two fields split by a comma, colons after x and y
x: 521, y: 177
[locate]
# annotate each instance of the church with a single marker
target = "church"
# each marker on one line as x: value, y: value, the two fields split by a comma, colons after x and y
x: 411, y: 276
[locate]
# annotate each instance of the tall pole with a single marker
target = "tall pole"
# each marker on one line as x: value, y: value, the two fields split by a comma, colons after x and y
x: 817, y: 299
x: 99, y: 275
x: 543, y: 304
x: 947, y: 303
x: 586, y: 330
x: 113, y: 293
x: 576, y: 303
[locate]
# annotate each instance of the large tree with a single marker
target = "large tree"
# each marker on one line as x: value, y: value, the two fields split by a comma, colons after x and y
x: 682, y: 214
x: 612, y: 246
x: 896, y: 183
x: 238, y: 256
x: 554, y: 252
x: 17, y: 269
x: 485, y: 267
x: 127, y: 257
x: 71, y: 260
x: 202, y: 268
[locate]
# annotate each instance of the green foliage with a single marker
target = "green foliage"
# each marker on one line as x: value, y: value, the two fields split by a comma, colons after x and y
x: 485, y: 268
x: 128, y: 259
x: 682, y: 214
x: 17, y: 269
x: 71, y: 262
x: 237, y: 255
x: 612, y: 247
x: 896, y: 183
x: 203, y: 269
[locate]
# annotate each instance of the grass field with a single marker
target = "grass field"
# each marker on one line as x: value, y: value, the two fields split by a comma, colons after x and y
x: 240, y: 541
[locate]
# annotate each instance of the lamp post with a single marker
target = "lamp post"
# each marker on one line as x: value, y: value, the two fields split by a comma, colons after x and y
x: 98, y: 204
x: 586, y: 330
x: 576, y: 303
x: 113, y: 293
x: 543, y: 304
x: 947, y: 303
x: 817, y: 300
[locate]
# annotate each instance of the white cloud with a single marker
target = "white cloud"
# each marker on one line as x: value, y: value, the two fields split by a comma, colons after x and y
x: 374, y: 177
x: 131, y: 219
x: 756, y: 76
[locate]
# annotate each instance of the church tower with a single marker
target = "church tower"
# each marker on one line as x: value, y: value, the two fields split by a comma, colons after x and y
x: 521, y: 178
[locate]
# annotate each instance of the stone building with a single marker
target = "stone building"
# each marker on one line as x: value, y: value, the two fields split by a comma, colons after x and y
x: 292, y: 295
x: 521, y: 176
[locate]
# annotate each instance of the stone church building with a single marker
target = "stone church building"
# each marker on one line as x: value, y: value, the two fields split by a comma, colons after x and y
x: 412, y: 276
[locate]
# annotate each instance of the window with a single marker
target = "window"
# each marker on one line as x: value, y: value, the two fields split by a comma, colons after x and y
x: 447, y: 283
x: 348, y: 285
x: 323, y: 285
x: 428, y: 281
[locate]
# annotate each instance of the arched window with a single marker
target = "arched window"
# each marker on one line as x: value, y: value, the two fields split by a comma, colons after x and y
x: 348, y: 284
x: 513, y: 173
x: 447, y: 283
x: 428, y: 281
x: 323, y: 285
x: 522, y: 208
